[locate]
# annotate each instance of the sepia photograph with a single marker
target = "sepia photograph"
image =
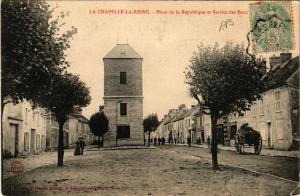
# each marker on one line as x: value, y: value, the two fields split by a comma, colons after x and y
x: 116, y: 97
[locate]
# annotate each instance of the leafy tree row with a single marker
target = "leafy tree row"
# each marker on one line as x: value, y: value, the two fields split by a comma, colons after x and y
x: 34, y: 62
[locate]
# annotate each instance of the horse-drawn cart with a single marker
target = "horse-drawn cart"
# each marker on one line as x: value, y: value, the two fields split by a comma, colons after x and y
x: 248, y: 136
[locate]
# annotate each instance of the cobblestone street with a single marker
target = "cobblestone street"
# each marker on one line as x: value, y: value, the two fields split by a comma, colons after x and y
x: 155, y: 171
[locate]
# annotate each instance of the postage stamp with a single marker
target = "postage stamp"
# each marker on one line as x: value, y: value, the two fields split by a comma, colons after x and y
x: 272, y: 26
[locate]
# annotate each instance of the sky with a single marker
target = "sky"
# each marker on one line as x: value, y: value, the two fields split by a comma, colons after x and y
x: 165, y: 41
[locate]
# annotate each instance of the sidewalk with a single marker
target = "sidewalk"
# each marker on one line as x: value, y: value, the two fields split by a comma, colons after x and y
x: 264, y: 151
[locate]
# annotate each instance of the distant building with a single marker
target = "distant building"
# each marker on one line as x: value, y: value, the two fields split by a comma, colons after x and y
x: 76, y: 126
x: 123, y: 96
x: 24, y: 129
x: 276, y: 115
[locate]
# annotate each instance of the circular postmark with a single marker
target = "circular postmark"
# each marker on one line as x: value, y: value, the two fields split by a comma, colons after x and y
x: 272, y: 26
x: 16, y: 167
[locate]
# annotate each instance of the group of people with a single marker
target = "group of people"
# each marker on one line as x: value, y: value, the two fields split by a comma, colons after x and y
x: 79, y: 146
x: 160, y: 141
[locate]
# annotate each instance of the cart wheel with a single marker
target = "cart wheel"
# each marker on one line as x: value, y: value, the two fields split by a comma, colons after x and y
x: 258, y: 146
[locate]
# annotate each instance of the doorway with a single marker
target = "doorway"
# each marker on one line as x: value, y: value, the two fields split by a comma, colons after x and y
x: 32, y: 141
x: 14, y: 139
x: 270, y: 143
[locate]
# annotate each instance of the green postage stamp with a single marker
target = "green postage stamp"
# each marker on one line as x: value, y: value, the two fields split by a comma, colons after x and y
x: 272, y: 26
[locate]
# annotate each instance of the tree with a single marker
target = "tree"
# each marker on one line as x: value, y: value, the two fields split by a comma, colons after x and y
x: 224, y: 80
x: 33, y: 49
x: 66, y: 95
x: 99, y: 125
x: 150, y: 123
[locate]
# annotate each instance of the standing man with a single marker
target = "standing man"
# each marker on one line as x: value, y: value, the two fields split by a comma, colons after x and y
x: 82, y: 145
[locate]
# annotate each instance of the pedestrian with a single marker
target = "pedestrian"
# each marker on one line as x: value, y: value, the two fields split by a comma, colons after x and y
x: 159, y: 140
x: 175, y: 140
x: 189, y: 141
x: 163, y: 141
x: 208, y: 144
x: 155, y: 140
x: 82, y: 145
x: 77, y: 148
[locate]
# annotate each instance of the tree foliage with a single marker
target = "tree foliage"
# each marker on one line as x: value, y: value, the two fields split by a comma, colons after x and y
x: 67, y: 94
x: 33, y: 50
x: 150, y: 123
x: 224, y: 80
x: 99, y: 125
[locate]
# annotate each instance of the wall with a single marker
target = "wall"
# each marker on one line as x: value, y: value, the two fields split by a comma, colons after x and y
x: 134, y: 118
x: 27, y: 121
x: 133, y: 69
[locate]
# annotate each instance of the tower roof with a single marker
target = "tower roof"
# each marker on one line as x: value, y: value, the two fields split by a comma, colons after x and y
x: 122, y: 51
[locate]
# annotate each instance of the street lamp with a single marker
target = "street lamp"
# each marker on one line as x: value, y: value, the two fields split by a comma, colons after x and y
x: 117, y: 121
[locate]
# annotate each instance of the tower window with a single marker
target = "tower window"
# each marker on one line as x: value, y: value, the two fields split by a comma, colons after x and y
x: 123, y: 109
x: 122, y: 77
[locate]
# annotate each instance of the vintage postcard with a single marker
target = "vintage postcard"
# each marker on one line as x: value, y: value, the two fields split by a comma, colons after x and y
x: 149, y: 97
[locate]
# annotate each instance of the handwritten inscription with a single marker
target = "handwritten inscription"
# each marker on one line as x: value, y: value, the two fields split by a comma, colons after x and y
x: 225, y: 24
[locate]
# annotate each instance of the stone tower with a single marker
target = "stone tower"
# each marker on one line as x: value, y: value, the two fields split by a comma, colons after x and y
x: 123, y: 96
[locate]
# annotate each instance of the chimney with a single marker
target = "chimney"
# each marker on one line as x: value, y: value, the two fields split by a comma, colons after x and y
x: 285, y: 57
x: 274, y: 61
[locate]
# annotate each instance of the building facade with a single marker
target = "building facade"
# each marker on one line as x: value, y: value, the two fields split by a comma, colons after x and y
x: 76, y: 126
x: 123, y: 96
x: 24, y: 130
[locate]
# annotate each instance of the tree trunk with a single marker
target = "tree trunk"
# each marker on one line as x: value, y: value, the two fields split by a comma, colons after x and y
x: 99, y: 142
x: 214, y: 142
x: 60, y: 150
x: 2, y: 108
x: 149, y: 139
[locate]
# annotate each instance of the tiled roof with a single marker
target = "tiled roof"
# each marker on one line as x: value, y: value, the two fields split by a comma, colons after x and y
x: 181, y: 114
x: 282, y: 73
x: 122, y: 51
x: 192, y: 111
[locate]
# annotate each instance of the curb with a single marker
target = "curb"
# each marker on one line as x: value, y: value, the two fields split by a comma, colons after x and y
x: 232, y: 150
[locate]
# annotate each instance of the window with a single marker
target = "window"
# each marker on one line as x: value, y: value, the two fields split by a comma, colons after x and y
x: 38, y: 119
x: 26, y: 116
x: 254, y: 110
x: 33, y: 115
x: 123, y: 132
x: 233, y: 129
x: 123, y: 109
x: 279, y: 129
x: 123, y: 78
x: 277, y: 101
x: 261, y: 107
